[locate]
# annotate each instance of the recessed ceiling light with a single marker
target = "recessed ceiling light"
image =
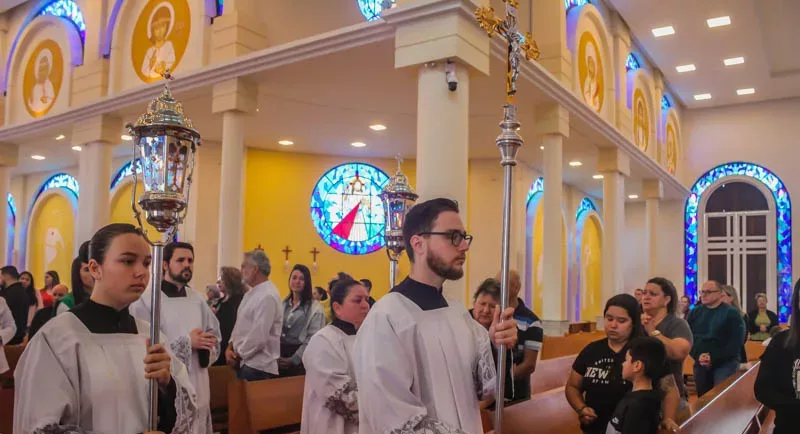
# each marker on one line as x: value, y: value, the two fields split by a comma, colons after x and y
x: 541, y: 147
x: 37, y: 157
x: 598, y: 176
x: 377, y: 127
x: 358, y: 144
x: 77, y: 148
x: 575, y: 163
x: 633, y: 196
x: 747, y: 91
x: 733, y: 61
x: 663, y: 31
x: 126, y: 137
x: 285, y: 142
x: 257, y: 110
x: 718, y: 21
x: 60, y: 137
x: 685, y: 68
x: 702, y: 96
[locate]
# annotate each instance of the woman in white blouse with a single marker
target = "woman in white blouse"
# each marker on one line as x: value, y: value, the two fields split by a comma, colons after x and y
x: 330, y: 402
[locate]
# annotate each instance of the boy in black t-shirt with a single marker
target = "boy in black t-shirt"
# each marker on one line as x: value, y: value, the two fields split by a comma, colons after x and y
x: 639, y: 412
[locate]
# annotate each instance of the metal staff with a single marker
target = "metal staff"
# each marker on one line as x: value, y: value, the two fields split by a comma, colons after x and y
x: 509, y: 142
x: 164, y: 146
x: 398, y: 197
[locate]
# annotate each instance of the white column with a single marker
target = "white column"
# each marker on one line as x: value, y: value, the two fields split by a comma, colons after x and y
x: 652, y: 192
x: 443, y: 145
x: 553, y: 254
x: 5, y: 185
x: 231, y: 190
x: 94, y: 177
x: 614, y: 164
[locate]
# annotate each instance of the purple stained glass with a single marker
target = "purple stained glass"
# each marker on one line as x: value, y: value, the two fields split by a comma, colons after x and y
x: 783, y: 207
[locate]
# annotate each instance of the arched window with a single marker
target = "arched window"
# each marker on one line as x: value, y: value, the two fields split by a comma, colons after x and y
x: 569, y: 4
x: 371, y: 9
x: 738, y: 231
x: 631, y: 63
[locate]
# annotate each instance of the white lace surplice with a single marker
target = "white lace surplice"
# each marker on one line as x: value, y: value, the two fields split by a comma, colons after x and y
x: 421, y: 371
x: 68, y: 376
x: 7, y: 331
x: 330, y: 402
x: 179, y: 316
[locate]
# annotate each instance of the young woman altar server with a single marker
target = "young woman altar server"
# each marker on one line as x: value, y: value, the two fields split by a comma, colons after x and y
x: 330, y: 402
x: 89, y: 369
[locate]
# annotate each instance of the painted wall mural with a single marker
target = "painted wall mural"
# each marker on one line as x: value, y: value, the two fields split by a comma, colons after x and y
x: 671, y: 145
x: 160, y: 37
x: 591, y: 270
x: 51, y: 238
x: 641, y: 120
x: 590, y: 72
x: 42, y: 79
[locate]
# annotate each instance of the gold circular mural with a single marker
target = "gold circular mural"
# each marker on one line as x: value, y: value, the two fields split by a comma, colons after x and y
x: 41, y: 81
x: 160, y: 37
x: 590, y: 72
x: 672, y: 148
x: 641, y: 120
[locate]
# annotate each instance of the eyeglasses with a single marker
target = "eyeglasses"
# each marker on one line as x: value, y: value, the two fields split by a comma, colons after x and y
x: 709, y: 291
x: 456, y: 237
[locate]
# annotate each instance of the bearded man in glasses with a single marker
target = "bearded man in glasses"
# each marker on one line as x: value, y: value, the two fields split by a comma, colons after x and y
x: 422, y: 363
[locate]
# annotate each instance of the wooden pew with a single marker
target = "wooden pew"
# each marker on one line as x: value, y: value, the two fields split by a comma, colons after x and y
x: 218, y: 378
x: 559, y: 346
x: 754, y: 350
x: 547, y: 412
x: 13, y: 353
x: 255, y: 406
x: 551, y: 374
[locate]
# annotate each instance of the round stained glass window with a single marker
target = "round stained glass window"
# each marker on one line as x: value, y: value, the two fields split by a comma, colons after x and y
x: 346, y: 208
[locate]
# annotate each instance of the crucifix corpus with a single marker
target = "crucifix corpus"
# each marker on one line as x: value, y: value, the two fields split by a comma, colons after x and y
x: 286, y: 250
x: 314, y: 252
x: 509, y: 142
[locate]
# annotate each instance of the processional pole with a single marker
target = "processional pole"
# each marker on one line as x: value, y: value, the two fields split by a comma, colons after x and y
x: 398, y: 197
x: 509, y: 142
x: 164, y: 145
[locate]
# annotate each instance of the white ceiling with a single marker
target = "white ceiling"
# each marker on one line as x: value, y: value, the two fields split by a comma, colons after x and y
x: 764, y: 32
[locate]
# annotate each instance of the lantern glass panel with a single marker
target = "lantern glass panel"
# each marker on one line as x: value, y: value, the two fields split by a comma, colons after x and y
x: 397, y: 213
x: 164, y: 159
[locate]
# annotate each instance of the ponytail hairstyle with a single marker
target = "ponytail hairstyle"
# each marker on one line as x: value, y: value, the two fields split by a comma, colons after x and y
x: 340, y: 288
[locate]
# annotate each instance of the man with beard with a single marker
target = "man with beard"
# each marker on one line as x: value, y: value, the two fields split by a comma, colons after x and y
x: 421, y: 363
x: 187, y: 321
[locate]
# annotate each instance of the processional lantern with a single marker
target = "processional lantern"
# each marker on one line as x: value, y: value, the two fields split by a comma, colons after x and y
x: 398, y: 197
x: 164, y: 146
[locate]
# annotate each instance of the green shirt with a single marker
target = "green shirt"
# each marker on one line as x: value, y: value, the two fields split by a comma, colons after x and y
x: 719, y: 332
x: 68, y: 300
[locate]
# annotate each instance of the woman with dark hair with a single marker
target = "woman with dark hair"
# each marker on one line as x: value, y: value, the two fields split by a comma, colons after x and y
x: 485, y: 299
x: 34, y: 297
x: 97, y: 357
x: 659, y: 319
x: 595, y: 385
x: 232, y: 289
x: 302, y: 317
x: 82, y: 284
x: 684, y: 307
x: 321, y: 296
x: 51, y: 279
x: 761, y: 320
x: 777, y: 385
x: 330, y: 401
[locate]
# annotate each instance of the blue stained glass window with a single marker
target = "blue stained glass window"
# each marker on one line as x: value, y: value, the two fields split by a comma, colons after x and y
x: 371, y: 9
x: 60, y: 180
x: 536, y: 188
x: 11, y: 205
x: 11, y: 223
x: 665, y: 104
x: 569, y: 4
x: 220, y: 7
x: 67, y: 9
x: 631, y: 63
x: 585, y: 206
x: 783, y: 207
x: 347, y: 210
x: 124, y: 172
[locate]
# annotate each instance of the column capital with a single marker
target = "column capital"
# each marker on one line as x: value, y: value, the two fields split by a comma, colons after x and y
x: 237, y: 32
x: 103, y: 128
x: 434, y: 30
x: 652, y: 188
x: 619, y: 29
x: 9, y: 154
x: 552, y: 119
x: 237, y: 94
x: 611, y: 160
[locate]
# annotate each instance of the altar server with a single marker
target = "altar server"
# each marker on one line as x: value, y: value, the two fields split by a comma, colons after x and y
x: 330, y: 401
x: 422, y: 363
x: 190, y: 325
x: 7, y: 331
x: 89, y: 369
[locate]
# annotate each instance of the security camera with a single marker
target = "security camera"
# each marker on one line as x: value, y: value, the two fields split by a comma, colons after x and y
x: 450, y: 75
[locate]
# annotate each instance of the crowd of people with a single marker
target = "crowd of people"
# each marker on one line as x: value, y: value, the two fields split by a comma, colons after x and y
x: 410, y: 362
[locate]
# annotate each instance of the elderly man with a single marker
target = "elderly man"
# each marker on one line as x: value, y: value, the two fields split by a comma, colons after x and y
x: 255, y: 344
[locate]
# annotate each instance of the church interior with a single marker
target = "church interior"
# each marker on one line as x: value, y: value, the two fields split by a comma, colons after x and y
x: 653, y: 135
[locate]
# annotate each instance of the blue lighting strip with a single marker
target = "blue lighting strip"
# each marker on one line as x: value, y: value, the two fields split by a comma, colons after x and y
x: 783, y: 206
x: 61, y: 180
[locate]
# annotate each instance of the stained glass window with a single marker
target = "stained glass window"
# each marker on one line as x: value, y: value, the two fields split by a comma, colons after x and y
x: 783, y: 207
x: 631, y: 63
x: 371, y: 9
x: 12, y: 206
x: 66, y: 9
x: 584, y: 207
x: 569, y: 4
x: 11, y: 223
x: 536, y: 188
x: 124, y: 172
x: 346, y: 208
x: 665, y: 104
x: 220, y: 7
x: 60, y: 180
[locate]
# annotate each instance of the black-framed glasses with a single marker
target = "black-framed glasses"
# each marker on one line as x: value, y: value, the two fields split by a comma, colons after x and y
x: 456, y: 237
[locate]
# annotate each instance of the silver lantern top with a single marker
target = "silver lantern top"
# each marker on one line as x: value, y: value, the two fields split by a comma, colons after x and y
x: 164, y: 143
x: 398, y: 197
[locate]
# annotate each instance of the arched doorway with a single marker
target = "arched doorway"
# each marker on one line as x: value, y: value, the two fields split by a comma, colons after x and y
x: 738, y: 231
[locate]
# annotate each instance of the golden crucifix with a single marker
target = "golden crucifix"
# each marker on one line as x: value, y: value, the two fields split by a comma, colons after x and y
x: 517, y: 43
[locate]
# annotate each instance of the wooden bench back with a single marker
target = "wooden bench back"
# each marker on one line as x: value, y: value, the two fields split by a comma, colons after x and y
x: 754, y: 350
x: 730, y: 407
x: 255, y: 406
x: 551, y: 374
x: 547, y: 412
x: 218, y: 378
x: 559, y: 346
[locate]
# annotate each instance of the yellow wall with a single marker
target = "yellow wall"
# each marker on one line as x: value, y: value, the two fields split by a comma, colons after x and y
x: 538, y: 269
x: 278, y: 197
x: 51, y: 234
x: 121, y: 209
x: 591, y: 270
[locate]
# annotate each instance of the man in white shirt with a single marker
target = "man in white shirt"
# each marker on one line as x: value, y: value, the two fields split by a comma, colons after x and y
x: 255, y: 344
x: 422, y: 363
